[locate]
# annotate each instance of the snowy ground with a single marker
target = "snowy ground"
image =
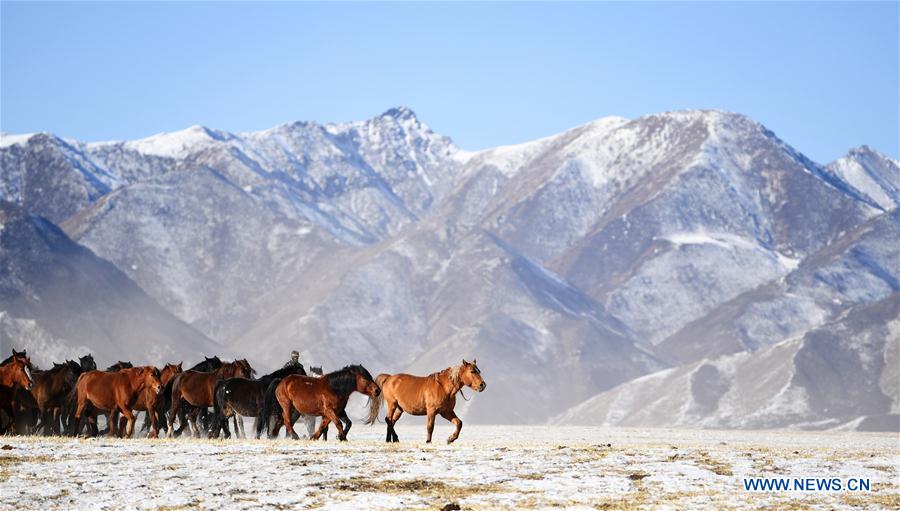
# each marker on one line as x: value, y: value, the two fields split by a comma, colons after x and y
x: 490, y: 467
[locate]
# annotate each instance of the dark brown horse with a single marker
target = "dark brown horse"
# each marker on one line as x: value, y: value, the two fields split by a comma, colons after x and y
x: 51, y: 387
x: 427, y: 395
x: 242, y: 397
x: 115, y: 392
x: 325, y: 396
x: 14, y: 374
x: 196, y: 389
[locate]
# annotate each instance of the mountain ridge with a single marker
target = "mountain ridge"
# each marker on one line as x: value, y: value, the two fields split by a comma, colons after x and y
x: 613, y: 250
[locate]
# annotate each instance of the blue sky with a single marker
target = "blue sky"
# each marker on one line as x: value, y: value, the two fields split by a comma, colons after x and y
x: 823, y: 76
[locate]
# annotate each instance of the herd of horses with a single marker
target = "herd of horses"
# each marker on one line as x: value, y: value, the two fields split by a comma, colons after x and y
x: 68, y: 398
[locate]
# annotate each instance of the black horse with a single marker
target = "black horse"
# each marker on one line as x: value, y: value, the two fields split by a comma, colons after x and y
x: 237, y: 397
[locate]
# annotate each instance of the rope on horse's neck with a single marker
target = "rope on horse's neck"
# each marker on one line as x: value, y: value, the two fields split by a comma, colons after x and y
x: 463, y: 394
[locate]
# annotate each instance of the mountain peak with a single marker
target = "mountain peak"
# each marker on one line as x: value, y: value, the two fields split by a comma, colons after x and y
x: 400, y: 113
x: 176, y: 143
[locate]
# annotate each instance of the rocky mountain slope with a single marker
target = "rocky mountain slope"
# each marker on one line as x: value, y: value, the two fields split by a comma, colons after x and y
x: 61, y: 301
x: 568, y: 265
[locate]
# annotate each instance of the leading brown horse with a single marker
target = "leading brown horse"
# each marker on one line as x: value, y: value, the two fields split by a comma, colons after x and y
x: 14, y: 374
x: 427, y: 395
x: 115, y: 392
x: 197, y: 389
x: 325, y: 396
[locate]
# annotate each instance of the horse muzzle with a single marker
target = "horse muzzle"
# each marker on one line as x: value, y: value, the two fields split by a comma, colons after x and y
x: 482, y: 387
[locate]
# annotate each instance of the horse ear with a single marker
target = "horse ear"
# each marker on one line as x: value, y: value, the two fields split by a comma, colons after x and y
x: 465, y: 363
x: 474, y: 362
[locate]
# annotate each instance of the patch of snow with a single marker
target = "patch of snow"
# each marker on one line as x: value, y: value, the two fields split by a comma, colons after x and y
x: 8, y: 139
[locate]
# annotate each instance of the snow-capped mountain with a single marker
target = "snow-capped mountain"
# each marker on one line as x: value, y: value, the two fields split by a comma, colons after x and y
x: 569, y: 265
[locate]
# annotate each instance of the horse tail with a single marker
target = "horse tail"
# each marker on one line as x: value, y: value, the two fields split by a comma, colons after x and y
x: 375, y: 402
x: 218, y: 406
x: 374, y: 408
x: 69, y: 405
x: 269, y: 408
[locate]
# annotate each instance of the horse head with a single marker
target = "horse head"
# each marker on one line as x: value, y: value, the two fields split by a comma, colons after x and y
x: 243, y: 368
x: 151, y: 379
x: 365, y: 384
x: 169, y: 371
x: 87, y: 363
x: 470, y: 375
x: 22, y: 371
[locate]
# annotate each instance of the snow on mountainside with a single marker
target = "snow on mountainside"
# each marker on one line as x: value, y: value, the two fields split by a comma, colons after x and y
x: 872, y: 174
x: 835, y: 374
x: 61, y: 301
x: 568, y: 265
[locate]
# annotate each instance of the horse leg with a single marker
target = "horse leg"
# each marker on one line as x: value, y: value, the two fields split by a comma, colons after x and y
x: 129, y: 430
x: 391, y: 406
x: 347, y: 423
x: 394, y: 419
x: 333, y: 417
x: 288, y: 421
x: 227, y: 432
x: 323, y: 426
x: 112, y: 424
x: 174, y: 408
x: 76, y: 419
x: 192, y: 417
x: 154, y: 424
x: 54, y: 426
x: 11, y: 414
x: 430, y: 426
x: 451, y: 416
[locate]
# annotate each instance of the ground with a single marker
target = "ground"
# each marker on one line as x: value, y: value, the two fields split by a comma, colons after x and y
x: 490, y: 467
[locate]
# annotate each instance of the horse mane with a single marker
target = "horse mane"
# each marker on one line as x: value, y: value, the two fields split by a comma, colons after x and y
x: 452, y: 373
x: 281, y: 373
x: 68, y: 364
x: 343, y: 381
x: 209, y: 364
x: 118, y: 366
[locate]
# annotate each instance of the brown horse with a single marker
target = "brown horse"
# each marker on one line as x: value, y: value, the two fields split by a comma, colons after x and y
x: 116, y: 392
x: 197, y: 389
x: 14, y: 374
x: 153, y: 404
x: 427, y: 395
x: 157, y: 416
x: 325, y: 396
